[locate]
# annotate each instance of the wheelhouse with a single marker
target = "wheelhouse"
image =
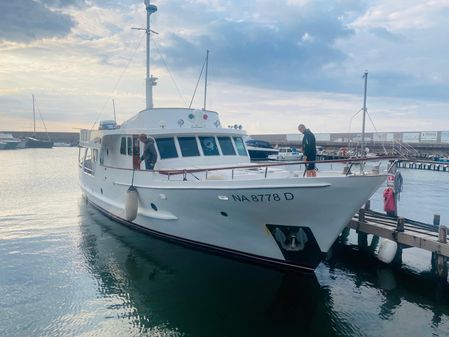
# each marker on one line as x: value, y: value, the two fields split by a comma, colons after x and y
x: 174, y: 151
x: 184, y: 138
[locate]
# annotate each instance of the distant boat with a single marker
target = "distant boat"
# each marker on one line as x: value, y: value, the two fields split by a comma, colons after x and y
x: 61, y: 144
x: 8, y: 142
x: 441, y: 159
x: 33, y: 142
x: 287, y: 153
x: 259, y: 149
x: 38, y: 143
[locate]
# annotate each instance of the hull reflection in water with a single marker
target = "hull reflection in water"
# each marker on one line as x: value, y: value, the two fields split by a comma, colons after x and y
x: 167, y: 288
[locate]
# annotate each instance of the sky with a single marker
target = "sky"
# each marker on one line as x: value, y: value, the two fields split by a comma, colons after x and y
x: 272, y: 64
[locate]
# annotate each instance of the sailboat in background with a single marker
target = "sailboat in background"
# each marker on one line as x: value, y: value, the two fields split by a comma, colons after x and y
x: 33, y: 142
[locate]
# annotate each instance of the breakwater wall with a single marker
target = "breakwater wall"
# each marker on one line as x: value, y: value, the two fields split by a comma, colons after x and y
x: 62, y: 137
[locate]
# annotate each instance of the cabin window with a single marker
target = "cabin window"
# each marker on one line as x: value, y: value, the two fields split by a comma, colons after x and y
x: 80, y: 157
x: 136, y: 148
x: 130, y: 146
x: 189, y: 147
x: 166, y: 147
x: 209, y: 146
x: 102, y: 155
x: 259, y: 143
x: 226, y: 146
x: 123, y: 146
x: 88, y: 162
x: 240, y: 146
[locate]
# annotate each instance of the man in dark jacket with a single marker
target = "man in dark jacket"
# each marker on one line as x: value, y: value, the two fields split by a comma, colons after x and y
x: 309, y: 149
x: 149, y: 152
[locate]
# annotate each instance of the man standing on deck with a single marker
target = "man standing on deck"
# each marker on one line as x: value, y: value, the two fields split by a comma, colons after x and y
x: 309, y: 149
x: 149, y: 152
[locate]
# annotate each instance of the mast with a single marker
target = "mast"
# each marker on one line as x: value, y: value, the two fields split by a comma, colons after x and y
x: 205, y: 79
x: 34, y: 118
x: 150, y: 81
x: 364, y: 114
x: 113, y: 107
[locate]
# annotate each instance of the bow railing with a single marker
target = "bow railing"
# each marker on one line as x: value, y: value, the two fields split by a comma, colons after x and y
x: 266, y: 166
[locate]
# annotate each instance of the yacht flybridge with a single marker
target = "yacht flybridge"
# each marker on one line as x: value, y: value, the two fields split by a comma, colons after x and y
x: 205, y: 192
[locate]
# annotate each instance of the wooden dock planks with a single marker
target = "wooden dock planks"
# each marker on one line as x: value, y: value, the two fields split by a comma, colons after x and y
x: 413, y: 235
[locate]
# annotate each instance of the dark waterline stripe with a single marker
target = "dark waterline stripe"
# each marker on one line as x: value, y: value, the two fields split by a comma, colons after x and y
x: 215, y: 250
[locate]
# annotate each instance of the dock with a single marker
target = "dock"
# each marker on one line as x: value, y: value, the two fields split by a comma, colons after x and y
x: 406, y: 233
x: 424, y: 165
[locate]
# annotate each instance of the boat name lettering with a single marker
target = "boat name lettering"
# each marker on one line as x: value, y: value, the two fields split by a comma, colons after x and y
x: 266, y: 197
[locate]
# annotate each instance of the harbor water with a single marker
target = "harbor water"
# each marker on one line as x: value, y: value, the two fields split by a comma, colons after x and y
x: 67, y: 270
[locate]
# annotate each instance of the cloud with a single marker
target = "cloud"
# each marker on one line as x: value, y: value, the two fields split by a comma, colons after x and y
x: 289, y: 46
x: 27, y: 20
x: 271, y: 64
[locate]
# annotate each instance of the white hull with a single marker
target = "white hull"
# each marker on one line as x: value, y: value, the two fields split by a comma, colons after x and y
x: 197, y: 212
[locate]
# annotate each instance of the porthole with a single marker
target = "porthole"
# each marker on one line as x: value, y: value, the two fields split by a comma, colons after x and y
x: 224, y: 213
x: 153, y: 206
x: 101, y: 190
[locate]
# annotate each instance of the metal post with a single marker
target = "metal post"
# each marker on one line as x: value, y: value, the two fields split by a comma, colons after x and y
x: 364, y: 115
x: 34, y: 118
x: 205, y: 80
x: 149, y: 80
x: 113, y: 107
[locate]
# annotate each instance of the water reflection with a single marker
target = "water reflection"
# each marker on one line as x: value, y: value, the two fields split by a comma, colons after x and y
x: 393, y: 294
x: 166, y: 289
x: 160, y: 284
x: 66, y: 270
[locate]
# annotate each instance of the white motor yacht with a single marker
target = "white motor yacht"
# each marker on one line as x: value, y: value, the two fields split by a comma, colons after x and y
x: 205, y: 192
x: 286, y: 153
x: 259, y: 149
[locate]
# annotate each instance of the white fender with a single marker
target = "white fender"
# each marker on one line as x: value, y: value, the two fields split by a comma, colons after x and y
x: 131, y: 203
x: 387, y: 250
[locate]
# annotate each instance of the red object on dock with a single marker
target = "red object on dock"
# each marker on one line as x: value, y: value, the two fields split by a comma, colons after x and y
x: 389, y: 204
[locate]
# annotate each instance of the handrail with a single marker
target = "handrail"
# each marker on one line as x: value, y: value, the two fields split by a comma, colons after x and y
x: 393, y: 165
x: 266, y: 165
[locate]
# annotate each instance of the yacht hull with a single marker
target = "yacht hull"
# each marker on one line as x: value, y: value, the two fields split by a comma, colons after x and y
x: 8, y: 145
x: 260, y: 153
x: 289, y: 222
x: 37, y: 143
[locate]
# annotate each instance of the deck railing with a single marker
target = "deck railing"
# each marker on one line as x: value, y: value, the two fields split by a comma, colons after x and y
x: 266, y: 166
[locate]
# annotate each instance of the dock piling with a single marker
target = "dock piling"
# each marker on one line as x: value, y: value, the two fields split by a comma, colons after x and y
x: 368, y: 205
x: 362, y: 238
x: 442, y: 260
x: 400, y: 228
x: 436, y: 223
x: 400, y: 224
x: 436, y: 220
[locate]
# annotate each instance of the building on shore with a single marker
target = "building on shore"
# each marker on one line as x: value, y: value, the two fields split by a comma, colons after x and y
x: 430, y: 142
